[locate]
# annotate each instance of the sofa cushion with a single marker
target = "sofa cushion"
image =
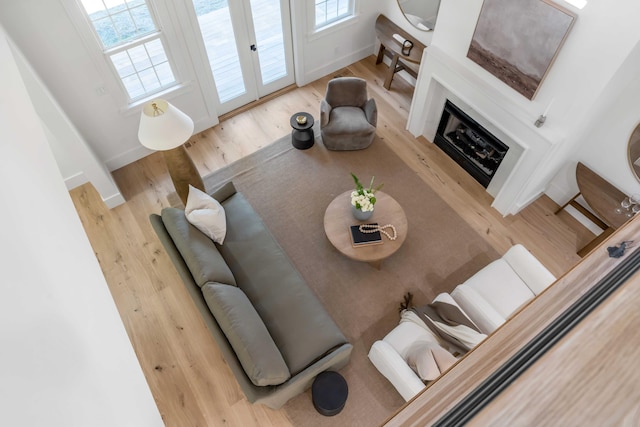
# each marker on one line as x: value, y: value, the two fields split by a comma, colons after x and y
x: 247, y: 334
x: 485, y: 317
x: 501, y: 286
x: 297, y: 322
x: 206, y: 214
x: 198, y: 251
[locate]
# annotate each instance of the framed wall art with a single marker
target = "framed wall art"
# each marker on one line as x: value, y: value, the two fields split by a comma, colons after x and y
x: 517, y: 40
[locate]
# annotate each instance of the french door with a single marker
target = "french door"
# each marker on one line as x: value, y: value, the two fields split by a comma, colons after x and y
x: 248, y: 48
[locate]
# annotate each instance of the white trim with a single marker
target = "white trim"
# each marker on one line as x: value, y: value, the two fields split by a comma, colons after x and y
x: 76, y: 180
x: 333, y: 27
x: 349, y: 14
x: 170, y: 92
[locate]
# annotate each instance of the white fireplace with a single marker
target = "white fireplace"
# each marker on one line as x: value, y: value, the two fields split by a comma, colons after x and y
x: 503, y: 112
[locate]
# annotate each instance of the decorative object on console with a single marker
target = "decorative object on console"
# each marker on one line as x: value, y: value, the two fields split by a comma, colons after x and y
x: 518, y: 41
x: 363, y: 199
x: 618, y: 251
x: 629, y: 206
x: 165, y: 128
x: 406, y: 44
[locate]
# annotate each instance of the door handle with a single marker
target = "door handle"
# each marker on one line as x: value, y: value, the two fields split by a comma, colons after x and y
x: 253, y: 47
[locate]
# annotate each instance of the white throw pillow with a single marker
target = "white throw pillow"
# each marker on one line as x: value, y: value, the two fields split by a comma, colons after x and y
x: 428, y: 359
x: 206, y: 214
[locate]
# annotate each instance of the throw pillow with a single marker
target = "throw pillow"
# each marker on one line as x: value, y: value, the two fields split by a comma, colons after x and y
x: 206, y: 214
x: 428, y: 359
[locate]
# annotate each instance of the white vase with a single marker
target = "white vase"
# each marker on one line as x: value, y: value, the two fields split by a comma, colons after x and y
x: 360, y: 215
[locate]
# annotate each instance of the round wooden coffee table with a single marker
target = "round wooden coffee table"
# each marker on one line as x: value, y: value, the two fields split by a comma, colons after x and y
x: 338, y: 219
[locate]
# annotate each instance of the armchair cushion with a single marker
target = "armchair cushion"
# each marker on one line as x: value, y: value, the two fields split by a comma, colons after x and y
x: 346, y: 92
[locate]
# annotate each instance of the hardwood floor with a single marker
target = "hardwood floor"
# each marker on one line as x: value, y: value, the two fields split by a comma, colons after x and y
x: 186, y: 372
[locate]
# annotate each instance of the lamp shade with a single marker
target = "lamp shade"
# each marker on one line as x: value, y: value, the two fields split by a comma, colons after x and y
x: 163, y: 126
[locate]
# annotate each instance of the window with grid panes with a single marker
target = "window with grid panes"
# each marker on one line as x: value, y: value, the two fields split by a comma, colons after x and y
x: 133, y: 44
x: 330, y: 11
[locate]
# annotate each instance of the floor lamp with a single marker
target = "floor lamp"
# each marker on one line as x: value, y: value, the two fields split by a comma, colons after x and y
x: 165, y: 128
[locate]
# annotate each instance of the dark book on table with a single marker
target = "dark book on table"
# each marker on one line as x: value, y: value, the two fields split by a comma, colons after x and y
x: 358, y: 238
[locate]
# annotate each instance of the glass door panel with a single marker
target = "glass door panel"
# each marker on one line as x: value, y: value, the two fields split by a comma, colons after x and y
x: 267, y: 23
x: 219, y: 39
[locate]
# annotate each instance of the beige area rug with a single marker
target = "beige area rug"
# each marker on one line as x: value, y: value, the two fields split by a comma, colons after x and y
x: 290, y: 189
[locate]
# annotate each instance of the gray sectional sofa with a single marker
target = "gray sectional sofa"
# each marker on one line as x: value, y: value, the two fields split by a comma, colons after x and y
x: 272, y: 330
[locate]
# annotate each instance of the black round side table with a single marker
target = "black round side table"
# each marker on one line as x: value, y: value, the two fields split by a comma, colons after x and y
x: 302, y: 135
x: 329, y: 393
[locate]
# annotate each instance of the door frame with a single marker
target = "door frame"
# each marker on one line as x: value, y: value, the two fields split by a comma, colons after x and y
x: 244, y: 37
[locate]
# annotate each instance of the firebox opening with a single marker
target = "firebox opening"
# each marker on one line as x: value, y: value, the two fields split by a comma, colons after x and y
x: 469, y: 144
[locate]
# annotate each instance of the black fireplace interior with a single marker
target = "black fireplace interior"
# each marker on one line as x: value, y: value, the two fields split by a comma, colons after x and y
x: 469, y: 144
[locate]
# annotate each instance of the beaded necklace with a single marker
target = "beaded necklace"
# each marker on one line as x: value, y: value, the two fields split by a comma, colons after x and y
x: 372, y: 228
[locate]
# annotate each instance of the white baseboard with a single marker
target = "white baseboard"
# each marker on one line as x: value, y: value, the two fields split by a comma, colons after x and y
x: 127, y: 157
x: 336, y: 64
x: 114, y: 200
x: 75, y: 180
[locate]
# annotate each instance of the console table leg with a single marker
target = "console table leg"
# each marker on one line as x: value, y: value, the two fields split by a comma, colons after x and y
x: 391, y: 71
x: 595, y: 242
x: 380, y: 54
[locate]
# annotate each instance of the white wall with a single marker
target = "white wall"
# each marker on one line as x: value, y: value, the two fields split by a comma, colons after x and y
x: 69, y: 148
x: 66, y: 359
x: 321, y: 53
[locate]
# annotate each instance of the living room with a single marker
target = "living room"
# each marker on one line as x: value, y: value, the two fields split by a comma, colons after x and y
x: 588, y: 116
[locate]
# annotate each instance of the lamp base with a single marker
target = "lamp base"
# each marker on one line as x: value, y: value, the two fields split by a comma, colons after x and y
x: 183, y: 171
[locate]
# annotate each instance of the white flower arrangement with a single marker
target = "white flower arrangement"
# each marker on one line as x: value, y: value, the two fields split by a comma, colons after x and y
x: 364, y: 198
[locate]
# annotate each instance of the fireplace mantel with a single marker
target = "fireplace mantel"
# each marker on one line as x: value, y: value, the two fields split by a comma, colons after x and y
x: 498, y: 108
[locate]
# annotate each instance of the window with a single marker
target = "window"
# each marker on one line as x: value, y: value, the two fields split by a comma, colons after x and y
x: 133, y: 44
x: 330, y: 11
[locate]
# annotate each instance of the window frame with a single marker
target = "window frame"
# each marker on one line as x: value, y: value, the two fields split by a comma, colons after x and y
x: 101, y: 55
x: 334, y: 21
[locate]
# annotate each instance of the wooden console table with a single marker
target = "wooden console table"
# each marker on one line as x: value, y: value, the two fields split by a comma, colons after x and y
x: 385, y: 29
x: 603, y: 198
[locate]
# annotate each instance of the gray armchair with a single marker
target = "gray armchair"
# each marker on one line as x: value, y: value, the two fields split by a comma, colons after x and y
x: 347, y: 118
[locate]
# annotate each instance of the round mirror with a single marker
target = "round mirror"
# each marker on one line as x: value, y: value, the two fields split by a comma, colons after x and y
x: 634, y: 152
x: 421, y: 14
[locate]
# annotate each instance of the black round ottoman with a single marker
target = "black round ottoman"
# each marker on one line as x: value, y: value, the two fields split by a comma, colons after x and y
x: 329, y: 393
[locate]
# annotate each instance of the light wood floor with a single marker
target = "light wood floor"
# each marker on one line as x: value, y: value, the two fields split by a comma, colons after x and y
x: 186, y: 373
